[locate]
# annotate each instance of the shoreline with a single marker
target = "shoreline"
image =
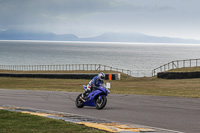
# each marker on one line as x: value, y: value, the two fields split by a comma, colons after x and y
x: 98, y: 42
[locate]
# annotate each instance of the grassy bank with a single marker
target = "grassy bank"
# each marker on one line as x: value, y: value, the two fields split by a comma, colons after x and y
x: 127, y: 85
x: 186, y: 69
x: 15, y: 122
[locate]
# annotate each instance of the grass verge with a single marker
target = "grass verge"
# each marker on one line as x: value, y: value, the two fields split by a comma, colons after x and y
x: 127, y: 85
x: 186, y: 69
x: 15, y: 122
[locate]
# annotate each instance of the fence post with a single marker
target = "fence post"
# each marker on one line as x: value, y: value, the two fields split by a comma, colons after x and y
x: 154, y: 72
x: 165, y: 67
x: 177, y: 64
x: 196, y: 63
x: 168, y: 66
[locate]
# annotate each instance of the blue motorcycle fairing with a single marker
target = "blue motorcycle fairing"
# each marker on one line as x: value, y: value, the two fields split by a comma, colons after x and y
x: 98, y: 92
x: 103, y: 90
x: 91, y: 97
x: 90, y: 103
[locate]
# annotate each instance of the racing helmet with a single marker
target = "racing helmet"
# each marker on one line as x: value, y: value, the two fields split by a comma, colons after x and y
x: 101, y: 76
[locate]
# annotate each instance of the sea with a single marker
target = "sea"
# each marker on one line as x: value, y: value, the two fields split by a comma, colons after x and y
x: 140, y: 58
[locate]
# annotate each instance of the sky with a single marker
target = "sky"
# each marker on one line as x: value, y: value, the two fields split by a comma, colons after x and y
x: 87, y: 18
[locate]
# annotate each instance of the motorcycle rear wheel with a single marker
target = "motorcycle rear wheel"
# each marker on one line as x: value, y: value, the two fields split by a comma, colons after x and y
x: 79, y: 103
x: 101, y: 102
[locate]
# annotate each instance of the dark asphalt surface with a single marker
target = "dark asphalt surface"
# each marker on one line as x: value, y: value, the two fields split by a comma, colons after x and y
x: 180, y: 114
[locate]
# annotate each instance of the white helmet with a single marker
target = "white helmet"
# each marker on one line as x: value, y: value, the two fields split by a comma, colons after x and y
x: 101, y: 76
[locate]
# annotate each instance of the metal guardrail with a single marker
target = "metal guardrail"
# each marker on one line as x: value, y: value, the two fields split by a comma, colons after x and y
x: 176, y: 64
x: 64, y: 67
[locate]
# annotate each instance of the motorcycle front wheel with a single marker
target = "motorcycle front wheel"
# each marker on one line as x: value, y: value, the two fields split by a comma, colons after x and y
x: 101, y: 102
x: 79, y: 103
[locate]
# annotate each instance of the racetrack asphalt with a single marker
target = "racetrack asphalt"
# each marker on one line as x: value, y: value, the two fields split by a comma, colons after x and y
x: 173, y: 113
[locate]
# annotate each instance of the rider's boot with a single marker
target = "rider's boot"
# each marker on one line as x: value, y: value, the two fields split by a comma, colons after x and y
x: 83, y: 96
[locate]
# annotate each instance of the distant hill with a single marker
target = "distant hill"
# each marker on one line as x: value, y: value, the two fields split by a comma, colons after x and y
x: 137, y: 37
x: 107, y: 37
x: 35, y: 35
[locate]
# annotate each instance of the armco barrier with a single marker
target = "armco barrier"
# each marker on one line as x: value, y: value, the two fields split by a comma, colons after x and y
x: 178, y: 75
x: 60, y: 76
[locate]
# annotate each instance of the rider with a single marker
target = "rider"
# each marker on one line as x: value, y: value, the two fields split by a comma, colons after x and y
x: 96, y: 82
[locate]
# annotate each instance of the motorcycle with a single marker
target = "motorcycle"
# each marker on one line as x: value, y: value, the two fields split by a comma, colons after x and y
x: 96, y: 98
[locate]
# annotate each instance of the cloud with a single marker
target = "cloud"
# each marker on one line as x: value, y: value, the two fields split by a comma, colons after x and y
x: 97, y: 16
x: 28, y: 8
x: 39, y: 12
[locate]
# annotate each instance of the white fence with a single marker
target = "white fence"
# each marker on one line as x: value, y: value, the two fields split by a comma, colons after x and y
x: 177, y: 64
x: 64, y: 67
